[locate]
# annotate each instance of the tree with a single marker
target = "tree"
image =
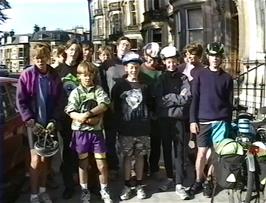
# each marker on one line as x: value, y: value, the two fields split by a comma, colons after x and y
x: 36, y: 28
x: 3, y: 5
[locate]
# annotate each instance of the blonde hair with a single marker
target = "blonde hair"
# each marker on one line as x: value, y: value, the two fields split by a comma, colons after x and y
x: 41, y: 50
x: 86, y: 67
x: 105, y: 49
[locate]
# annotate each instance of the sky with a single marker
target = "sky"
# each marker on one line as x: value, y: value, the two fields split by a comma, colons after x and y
x: 52, y: 14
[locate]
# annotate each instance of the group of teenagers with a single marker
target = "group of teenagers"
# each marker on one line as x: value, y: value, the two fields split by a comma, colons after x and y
x: 133, y: 104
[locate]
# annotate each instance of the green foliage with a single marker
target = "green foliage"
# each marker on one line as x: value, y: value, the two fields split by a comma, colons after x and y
x: 3, y: 5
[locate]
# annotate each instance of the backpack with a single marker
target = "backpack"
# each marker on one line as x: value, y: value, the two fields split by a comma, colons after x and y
x: 228, y: 170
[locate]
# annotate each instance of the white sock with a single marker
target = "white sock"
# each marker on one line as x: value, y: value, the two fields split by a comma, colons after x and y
x: 170, y: 179
x: 103, y: 186
x: 42, y: 189
x: 32, y: 196
x: 84, y: 186
x: 178, y: 186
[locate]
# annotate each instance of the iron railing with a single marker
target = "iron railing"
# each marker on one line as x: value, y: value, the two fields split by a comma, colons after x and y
x: 249, y: 86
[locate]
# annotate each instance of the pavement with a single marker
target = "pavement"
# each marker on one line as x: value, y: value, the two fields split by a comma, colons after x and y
x: 116, y: 186
x: 154, y: 196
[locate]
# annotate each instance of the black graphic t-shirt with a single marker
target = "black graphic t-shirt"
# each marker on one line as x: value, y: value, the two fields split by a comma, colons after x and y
x: 131, y: 108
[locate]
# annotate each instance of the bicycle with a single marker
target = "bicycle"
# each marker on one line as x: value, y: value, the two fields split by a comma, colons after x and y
x: 246, y: 134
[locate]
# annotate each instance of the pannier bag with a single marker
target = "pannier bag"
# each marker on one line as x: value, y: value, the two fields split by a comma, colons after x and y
x: 261, y: 161
x: 228, y: 170
x: 228, y: 160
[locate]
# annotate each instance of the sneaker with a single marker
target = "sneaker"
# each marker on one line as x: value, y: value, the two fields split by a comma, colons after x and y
x: 208, y: 188
x: 35, y: 200
x: 168, y: 184
x: 45, y: 198
x: 126, y: 193
x: 85, y: 196
x: 196, y: 188
x: 181, y: 192
x: 140, y: 192
x: 106, y: 195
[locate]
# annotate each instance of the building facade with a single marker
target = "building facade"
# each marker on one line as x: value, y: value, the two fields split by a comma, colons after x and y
x: 158, y: 24
x: 15, y: 50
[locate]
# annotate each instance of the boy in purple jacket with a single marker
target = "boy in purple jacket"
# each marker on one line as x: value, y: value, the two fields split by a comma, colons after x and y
x: 38, y: 98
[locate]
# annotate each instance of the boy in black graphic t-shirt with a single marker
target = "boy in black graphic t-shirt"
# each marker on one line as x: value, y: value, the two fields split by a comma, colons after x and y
x: 130, y: 98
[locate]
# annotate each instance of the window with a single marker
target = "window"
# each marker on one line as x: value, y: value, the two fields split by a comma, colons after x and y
x: 100, y: 26
x: 156, y: 4
x: 194, y: 28
x: 157, y: 36
x: 8, y: 95
x: 21, y: 64
x: 178, y: 28
x: 20, y: 52
x: 115, y: 24
x: 132, y: 9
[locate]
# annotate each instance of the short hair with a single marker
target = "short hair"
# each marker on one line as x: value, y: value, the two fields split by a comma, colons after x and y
x: 194, y: 48
x: 123, y: 38
x: 86, y: 67
x: 59, y: 50
x: 40, y: 50
x: 105, y: 49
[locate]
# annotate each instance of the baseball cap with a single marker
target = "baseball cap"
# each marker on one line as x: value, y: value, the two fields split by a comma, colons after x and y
x: 169, y: 52
x: 131, y: 57
x: 152, y: 49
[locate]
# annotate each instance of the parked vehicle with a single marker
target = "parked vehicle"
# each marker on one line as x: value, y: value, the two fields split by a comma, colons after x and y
x: 12, y: 134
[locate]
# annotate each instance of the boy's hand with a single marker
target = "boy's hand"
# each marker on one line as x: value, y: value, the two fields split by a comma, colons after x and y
x: 83, y: 117
x: 194, y: 128
x: 30, y: 123
x: 93, y: 121
x: 50, y: 126
x: 37, y: 129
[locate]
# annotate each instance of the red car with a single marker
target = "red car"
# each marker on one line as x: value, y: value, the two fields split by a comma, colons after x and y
x: 12, y: 136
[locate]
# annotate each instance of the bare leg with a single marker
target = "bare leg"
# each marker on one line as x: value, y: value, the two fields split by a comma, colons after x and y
x: 127, y: 167
x: 83, y: 168
x: 43, y: 171
x: 34, y: 172
x: 139, y: 167
x: 200, y: 163
x: 102, y: 167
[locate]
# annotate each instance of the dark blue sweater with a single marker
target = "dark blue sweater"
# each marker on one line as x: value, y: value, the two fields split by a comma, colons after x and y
x: 212, y: 93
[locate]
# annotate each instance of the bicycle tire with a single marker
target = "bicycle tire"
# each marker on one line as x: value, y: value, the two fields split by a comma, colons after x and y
x: 250, y: 184
x: 231, y: 195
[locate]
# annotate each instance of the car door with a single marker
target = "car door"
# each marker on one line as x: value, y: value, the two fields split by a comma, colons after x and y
x: 12, y: 128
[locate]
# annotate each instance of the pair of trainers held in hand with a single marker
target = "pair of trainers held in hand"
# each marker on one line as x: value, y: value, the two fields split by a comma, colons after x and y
x: 38, y: 129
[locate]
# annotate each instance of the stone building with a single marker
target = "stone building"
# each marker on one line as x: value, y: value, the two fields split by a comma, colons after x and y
x: 15, y: 50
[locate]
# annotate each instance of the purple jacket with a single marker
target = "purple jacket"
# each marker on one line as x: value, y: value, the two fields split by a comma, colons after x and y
x: 27, y: 89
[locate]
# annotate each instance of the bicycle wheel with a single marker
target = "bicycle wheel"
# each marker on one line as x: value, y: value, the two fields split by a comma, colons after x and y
x: 231, y: 196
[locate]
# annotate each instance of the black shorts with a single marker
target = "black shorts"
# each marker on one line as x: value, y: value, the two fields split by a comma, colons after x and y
x: 213, y: 133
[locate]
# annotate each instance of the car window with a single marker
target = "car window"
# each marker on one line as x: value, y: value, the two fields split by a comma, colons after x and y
x: 8, y: 99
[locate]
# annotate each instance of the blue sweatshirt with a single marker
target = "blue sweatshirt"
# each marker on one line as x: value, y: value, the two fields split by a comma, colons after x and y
x: 212, y: 94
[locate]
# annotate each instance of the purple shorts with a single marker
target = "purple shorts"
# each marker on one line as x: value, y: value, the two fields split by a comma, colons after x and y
x: 88, y: 142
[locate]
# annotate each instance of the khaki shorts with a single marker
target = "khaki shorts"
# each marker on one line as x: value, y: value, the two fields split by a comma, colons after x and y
x: 134, y: 146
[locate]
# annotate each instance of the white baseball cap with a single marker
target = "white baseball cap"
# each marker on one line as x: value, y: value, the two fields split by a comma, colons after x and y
x: 152, y: 49
x: 131, y: 57
x: 168, y: 52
